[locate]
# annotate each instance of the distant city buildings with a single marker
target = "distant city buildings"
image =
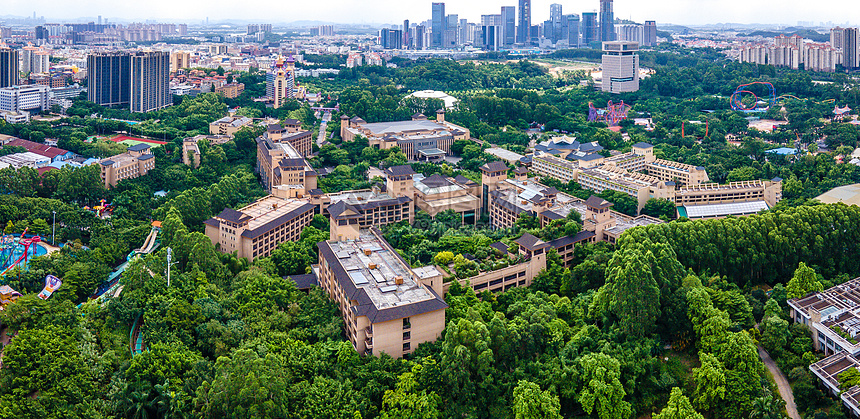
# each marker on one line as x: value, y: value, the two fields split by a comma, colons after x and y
x: 793, y: 52
x: 324, y: 30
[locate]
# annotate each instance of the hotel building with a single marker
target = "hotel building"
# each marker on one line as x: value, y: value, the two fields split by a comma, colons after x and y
x: 228, y: 125
x: 420, y: 139
x: 833, y: 318
x: 387, y: 306
x: 257, y: 229
x: 302, y: 141
x: 283, y: 170
x: 135, y: 162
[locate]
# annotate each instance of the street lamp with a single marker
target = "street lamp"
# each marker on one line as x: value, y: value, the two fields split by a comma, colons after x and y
x: 54, y: 229
x: 169, y: 259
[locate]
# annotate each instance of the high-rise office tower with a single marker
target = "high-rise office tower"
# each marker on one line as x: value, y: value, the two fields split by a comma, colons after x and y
x: 109, y: 78
x: 509, y: 25
x: 406, y: 39
x: 525, y: 23
x: 463, y: 32
x: 451, y: 31
x: 417, y: 36
x: 438, y: 26
x: 607, y: 21
x: 850, y: 58
x: 650, y: 33
x: 150, y: 81
x: 589, y: 28
x: 573, y: 39
x: 491, y: 32
x: 556, y: 22
x: 8, y: 67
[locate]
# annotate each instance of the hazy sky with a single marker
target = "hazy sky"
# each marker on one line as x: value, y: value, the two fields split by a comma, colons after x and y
x: 391, y: 11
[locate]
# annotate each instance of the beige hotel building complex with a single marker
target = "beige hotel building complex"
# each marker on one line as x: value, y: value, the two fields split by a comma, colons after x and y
x: 389, y: 306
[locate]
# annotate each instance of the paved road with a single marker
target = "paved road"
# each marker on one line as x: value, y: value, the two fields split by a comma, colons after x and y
x: 321, y: 138
x: 781, y: 383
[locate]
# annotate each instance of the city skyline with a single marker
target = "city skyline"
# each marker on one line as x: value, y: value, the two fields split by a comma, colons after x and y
x: 681, y: 12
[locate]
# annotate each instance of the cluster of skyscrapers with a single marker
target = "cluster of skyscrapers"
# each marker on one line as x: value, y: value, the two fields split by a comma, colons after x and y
x: 512, y: 28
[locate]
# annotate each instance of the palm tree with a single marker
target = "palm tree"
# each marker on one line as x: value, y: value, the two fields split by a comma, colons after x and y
x: 766, y: 407
x: 137, y: 401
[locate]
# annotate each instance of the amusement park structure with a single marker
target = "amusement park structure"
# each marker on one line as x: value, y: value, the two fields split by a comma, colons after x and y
x: 612, y: 115
x: 737, y: 97
x: 13, y: 250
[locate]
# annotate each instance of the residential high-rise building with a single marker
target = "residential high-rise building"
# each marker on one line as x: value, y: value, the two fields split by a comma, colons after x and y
x: 8, y: 67
x: 391, y: 38
x: 590, y: 31
x: 630, y: 32
x: 650, y: 33
x: 150, y: 81
x: 836, y: 35
x: 183, y: 29
x: 180, y: 60
x: 620, y: 67
x: 439, y: 25
x: 109, y: 78
x: 850, y: 51
x: 41, y: 33
x: 607, y: 21
x: 508, y: 25
x: 34, y: 60
x: 525, y: 22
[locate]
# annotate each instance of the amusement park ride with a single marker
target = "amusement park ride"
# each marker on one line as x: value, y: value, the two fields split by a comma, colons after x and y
x: 612, y: 115
x: 743, y: 91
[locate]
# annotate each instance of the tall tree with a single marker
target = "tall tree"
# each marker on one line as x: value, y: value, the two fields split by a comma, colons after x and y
x: 602, y: 389
x: 532, y: 403
x: 803, y: 282
x: 679, y: 407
